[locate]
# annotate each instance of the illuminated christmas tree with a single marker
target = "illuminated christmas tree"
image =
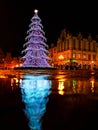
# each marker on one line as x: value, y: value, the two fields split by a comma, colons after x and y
x: 35, y: 49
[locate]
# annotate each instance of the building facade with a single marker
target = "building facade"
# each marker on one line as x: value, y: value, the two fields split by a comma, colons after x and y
x: 74, y: 52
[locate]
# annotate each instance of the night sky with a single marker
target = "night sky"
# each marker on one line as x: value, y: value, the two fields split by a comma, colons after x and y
x: 15, y: 16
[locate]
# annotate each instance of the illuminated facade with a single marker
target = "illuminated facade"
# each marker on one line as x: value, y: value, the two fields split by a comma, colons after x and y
x: 74, y: 51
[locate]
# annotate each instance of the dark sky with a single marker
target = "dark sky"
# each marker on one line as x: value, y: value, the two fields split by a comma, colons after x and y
x: 15, y: 16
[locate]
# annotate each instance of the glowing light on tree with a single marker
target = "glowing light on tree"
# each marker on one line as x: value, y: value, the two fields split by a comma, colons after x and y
x: 35, y: 49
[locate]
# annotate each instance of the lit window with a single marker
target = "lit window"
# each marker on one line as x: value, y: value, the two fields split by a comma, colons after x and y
x: 79, y: 55
x: 74, y: 55
x: 84, y: 56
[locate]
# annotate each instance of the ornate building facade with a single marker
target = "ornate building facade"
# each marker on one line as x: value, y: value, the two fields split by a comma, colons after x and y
x: 74, y: 52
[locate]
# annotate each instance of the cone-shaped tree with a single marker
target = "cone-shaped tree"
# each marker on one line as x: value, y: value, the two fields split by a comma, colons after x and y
x: 35, y: 49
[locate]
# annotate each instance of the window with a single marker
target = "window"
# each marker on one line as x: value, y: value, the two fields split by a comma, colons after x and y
x: 74, y: 55
x: 79, y: 45
x: 94, y: 47
x: 94, y: 57
x: 89, y: 46
x: 84, y: 56
x: 84, y: 45
x: 67, y: 43
x: 73, y: 44
x: 89, y: 57
x: 79, y: 56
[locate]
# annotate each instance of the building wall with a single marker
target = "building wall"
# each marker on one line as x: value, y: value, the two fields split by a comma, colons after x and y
x: 74, y: 51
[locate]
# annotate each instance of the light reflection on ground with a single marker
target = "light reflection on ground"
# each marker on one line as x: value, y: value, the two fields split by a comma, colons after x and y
x: 71, y: 105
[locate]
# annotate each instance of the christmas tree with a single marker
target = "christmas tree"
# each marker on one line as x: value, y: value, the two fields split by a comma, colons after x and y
x: 35, y: 49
